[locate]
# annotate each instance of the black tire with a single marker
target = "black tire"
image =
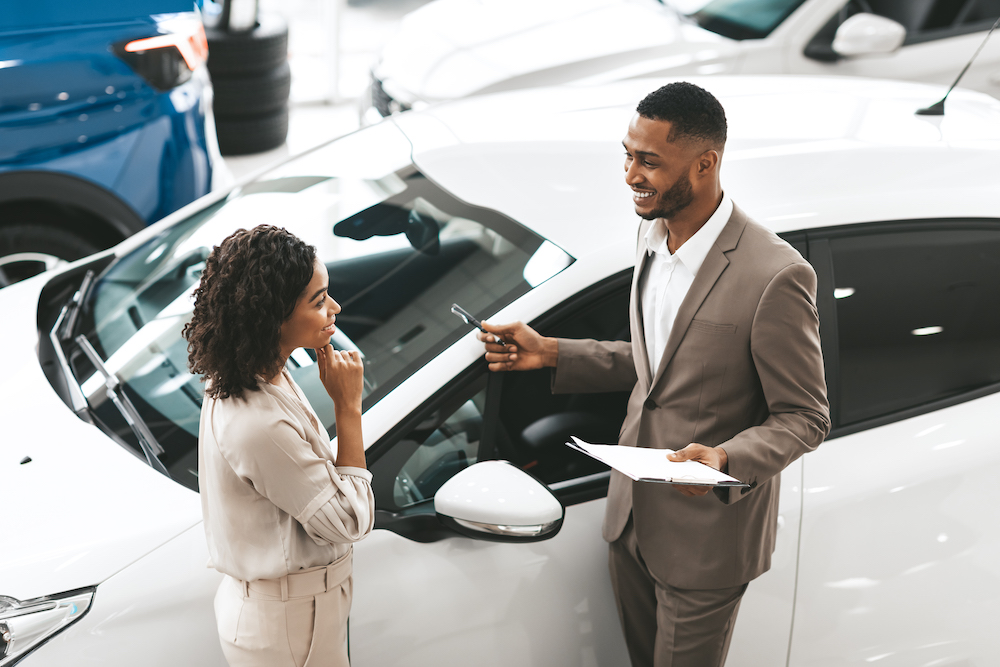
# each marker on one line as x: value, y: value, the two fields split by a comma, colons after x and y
x: 259, y: 50
x: 45, y: 245
x: 252, y: 94
x: 243, y: 135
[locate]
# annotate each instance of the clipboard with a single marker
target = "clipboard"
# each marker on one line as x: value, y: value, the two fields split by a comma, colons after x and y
x: 643, y: 464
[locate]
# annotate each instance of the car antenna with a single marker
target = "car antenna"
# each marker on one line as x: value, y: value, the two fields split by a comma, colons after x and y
x: 937, y: 109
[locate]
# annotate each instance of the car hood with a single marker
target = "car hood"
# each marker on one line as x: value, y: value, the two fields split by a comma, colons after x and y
x: 83, y: 508
x: 454, y: 48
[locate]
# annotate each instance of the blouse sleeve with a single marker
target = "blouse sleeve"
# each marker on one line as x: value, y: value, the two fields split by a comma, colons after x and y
x: 334, y: 505
x: 345, y: 511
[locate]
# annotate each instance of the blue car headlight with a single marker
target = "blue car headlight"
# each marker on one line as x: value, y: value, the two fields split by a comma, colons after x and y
x: 26, y: 625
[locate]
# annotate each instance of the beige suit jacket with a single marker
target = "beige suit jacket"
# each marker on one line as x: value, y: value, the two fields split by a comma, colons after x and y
x: 742, y: 369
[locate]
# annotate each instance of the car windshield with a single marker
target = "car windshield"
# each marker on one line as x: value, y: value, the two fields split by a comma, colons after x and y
x: 400, y: 250
x: 744, y: 19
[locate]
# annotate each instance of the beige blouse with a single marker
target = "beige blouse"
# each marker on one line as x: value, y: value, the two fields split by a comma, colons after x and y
x: 273, y: 501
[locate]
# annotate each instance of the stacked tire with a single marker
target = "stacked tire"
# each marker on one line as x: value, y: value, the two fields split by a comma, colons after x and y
x: 250, y: 75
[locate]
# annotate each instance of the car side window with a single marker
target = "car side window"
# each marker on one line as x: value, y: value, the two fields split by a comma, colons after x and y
x: 509, y: 416
x: 535, y: 424
x: 442, y: 443
x: 924, y: 20
x: 918, y: 317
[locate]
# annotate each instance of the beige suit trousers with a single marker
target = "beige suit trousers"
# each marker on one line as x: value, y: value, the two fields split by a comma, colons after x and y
x: 665, y: 626
x: 299, y: 620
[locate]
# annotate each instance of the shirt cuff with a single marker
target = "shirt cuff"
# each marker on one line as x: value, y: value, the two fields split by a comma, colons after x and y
x: 356, y: 472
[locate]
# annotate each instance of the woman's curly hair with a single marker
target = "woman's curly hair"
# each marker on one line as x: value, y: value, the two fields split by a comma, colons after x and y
x: 249, y: 287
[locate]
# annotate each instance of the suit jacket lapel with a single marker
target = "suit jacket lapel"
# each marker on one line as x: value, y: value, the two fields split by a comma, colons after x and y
x: 639, y: 353
x: 713, y: 266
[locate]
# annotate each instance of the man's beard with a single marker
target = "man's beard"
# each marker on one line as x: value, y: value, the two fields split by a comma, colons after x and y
x: 673, y: 201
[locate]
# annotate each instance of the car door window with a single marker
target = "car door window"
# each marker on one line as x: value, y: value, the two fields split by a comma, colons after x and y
x: 534, y: 423
x: 509, y: 416
x: 443, y: 441
x: 918, y: 316
x: 924, y: 20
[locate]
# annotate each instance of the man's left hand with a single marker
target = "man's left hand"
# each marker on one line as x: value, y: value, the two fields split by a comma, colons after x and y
x: 714, y: 457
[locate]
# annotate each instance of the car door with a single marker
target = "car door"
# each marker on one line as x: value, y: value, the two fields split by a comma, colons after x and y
x: 941, y: 36
x: 428, y: 596
x: 898, y: 549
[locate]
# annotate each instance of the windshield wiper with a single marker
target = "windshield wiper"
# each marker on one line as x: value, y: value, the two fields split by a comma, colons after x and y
x: 72, y: 309
x: 61, y: 330
x: 115, y: 391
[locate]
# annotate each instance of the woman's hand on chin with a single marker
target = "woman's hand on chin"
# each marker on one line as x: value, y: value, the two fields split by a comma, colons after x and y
x: 342, y: 373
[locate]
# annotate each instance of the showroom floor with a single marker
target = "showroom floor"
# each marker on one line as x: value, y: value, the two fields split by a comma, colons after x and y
x: 313, y: 26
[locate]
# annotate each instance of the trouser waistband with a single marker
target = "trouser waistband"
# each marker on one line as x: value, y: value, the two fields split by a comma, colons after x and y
x: 306, y: 583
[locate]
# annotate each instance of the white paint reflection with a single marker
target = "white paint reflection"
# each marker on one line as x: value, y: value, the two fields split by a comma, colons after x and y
x: 920, y: 568
x: 930, y: 430
x: 853, y: 583
x: 876, y: 658
x: 947, y: 445
x: 927, y: 331
x: 843, y: 292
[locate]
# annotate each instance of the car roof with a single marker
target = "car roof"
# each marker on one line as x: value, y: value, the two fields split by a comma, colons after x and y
x: 803, y: 152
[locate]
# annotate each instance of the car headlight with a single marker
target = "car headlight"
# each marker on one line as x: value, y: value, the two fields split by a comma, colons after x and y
x: 26, y: 625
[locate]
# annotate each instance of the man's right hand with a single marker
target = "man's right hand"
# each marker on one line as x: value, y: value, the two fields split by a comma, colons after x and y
x: 523, y: 348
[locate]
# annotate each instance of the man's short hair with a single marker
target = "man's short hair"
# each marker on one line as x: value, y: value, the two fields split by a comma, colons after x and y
x: 693, y: 112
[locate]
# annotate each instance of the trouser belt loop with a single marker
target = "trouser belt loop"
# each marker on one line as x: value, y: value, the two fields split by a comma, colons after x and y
x: 245, y: 585
x: 331, y: 581
x: 284, y: 588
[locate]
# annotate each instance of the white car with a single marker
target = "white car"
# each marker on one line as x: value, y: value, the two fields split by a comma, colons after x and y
x: 514, y: 206
x: 450, y: 49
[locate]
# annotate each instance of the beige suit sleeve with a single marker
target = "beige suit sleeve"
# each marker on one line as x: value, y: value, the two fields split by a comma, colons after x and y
x: 785, y: 345
x: 334, y: 505
x: 588, y: 366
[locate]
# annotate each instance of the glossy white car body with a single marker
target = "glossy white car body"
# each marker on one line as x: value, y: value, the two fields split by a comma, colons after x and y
x: 887, y: 541
x: 450, y: 49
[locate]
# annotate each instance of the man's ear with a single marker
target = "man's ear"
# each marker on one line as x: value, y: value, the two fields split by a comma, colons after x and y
x: 708, y: 162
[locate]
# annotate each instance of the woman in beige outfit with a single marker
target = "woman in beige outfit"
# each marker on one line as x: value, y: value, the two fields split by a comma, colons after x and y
x: 282, y: 504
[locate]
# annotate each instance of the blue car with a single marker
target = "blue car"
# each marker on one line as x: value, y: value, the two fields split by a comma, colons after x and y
x: 105, y: 124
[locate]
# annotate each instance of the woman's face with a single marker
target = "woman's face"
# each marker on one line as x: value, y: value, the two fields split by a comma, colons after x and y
x: 311, y: 323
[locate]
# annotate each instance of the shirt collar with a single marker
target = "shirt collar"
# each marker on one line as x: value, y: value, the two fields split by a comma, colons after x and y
x: 695, y: 249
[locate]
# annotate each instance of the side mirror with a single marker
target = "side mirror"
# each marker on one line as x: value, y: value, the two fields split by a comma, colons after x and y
x: 496, y: 501
x: 868, y: 34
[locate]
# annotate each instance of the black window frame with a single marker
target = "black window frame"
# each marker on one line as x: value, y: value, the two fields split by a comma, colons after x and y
x: 820, y: 255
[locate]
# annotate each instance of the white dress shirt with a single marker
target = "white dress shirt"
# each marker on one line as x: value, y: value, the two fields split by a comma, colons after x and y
x: 667, y: 278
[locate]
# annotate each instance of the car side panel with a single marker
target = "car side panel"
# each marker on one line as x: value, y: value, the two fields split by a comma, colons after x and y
x: 462, y: 602
x: 899, y: 544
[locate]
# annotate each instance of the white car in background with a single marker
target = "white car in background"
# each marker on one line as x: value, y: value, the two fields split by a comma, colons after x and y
x: 514, y: 206
x: 450, y: 49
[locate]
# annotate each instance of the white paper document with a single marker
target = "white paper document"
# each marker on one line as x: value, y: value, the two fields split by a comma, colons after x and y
x: 652, y: 465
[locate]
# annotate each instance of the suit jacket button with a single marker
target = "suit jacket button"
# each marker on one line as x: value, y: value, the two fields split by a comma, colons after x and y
x: 650, y: 404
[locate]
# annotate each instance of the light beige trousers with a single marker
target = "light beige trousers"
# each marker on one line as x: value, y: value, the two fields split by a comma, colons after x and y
x: 299, y: 620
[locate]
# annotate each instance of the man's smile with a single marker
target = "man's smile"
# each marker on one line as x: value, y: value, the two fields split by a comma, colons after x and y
x: 639, y: 194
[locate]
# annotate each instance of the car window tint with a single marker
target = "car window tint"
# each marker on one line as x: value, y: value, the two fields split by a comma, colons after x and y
x: 535, y: 423
x: 444, y: 442
x: 918, y: 316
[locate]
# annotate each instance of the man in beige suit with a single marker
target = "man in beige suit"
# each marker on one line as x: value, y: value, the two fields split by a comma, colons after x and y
x: 724, y: 366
